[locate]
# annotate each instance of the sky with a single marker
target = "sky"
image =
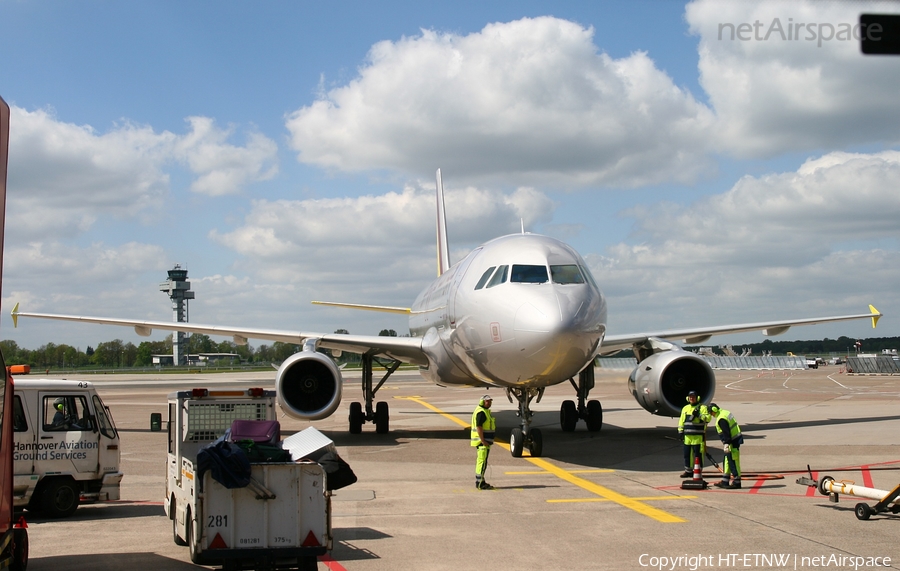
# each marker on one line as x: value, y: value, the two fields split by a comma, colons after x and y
x: 714, y: 162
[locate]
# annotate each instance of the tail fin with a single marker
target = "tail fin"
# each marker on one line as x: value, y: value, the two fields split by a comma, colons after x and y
x: 443, y: 249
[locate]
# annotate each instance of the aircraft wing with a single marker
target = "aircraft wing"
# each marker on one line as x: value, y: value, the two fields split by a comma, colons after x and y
x: 693, y: 336
x: 406, y: 349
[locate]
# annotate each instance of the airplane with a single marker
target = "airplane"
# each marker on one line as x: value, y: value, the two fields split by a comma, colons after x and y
x: 521, y: 312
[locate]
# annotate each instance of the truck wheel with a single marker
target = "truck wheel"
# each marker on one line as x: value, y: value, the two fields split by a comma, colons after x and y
x: 174, y: 514
x: 60, y: 499
x: 20, y: 550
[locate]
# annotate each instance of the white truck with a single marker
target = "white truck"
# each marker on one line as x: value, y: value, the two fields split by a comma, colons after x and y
x: 282, y: 519
x: 66, y: 447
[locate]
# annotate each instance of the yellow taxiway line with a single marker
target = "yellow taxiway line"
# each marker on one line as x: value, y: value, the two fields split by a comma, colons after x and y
x: 636, y: 504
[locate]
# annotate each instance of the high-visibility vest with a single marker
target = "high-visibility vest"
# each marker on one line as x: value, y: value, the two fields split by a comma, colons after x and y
x: 488, y: 428
x: 690, y: 425
x: 734, y: 431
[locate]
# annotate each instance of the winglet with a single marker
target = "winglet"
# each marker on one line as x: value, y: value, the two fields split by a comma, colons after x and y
x: 15, y: 315
x: 443, y: 249
x: 876, y: 315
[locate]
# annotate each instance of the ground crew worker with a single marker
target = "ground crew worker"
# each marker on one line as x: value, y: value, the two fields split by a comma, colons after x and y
x: 483, y: 428
x: 692, y: 427
x: 731, y: 437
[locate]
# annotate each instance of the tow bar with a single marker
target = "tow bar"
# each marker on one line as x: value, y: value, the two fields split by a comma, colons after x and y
x: 827, y: 486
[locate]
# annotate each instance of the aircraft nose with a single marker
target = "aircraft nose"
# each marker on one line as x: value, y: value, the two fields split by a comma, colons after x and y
x: 554, y: 333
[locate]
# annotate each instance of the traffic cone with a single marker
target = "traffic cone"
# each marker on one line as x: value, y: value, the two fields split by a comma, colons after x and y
x: 697, y: 482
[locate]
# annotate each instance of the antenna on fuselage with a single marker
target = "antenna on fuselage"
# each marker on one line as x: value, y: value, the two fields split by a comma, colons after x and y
x: 443, y: 249
x: 522, y: 222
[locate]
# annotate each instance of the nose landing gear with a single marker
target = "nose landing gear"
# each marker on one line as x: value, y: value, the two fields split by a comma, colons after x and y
x: 524, y: 436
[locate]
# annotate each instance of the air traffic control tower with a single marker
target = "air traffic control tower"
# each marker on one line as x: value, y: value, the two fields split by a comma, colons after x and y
x: 179, y: 290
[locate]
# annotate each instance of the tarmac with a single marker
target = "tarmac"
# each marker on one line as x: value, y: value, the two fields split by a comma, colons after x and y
x: 605, y: 500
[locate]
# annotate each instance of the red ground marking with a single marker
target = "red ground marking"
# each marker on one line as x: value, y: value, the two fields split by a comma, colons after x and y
x: 331, y: 563
x: 756, y: 487
x: 811, y: 490
x: 867, y: 476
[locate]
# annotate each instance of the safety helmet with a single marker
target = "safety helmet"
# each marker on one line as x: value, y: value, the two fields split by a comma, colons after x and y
x: 484, y: 399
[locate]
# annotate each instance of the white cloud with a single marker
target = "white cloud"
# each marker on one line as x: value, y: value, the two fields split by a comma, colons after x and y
x: 529, y: 101
x: 381, y: 247
x: 803, y: 92
x: 222, y: 168
x: 807, y: 243
x: 63, y: 177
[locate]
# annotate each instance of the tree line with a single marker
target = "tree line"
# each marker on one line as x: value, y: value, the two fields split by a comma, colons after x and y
x: 118, y: 354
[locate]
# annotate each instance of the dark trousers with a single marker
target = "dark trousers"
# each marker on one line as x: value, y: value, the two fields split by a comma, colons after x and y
x: 692, y: 451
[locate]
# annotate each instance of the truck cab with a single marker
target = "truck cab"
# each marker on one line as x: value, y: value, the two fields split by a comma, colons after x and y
x: 66, y: 447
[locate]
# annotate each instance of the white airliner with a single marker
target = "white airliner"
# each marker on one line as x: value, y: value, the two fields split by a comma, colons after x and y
x: 521, y: 312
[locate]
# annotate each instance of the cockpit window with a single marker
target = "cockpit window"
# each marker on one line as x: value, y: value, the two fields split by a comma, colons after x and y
x: 528, y: 274
x: 589, y: 277
x: 484, y: 277
x: 567, y: 274
x: 499, y: 277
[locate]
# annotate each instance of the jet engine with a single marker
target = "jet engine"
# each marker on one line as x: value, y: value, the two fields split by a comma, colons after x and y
x: 309, y: 385
x: 663, y: 379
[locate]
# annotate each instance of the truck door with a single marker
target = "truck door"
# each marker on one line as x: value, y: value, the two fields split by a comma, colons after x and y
x: 25, y: 437
x: 68, y: 434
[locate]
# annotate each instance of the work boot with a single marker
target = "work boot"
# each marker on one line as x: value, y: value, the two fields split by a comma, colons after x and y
x: 486, y: 486
x: 721, y: 484
x: 736, y: 485
x: 687, y: 474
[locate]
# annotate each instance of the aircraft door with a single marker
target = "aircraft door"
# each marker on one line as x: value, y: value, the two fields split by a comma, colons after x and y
x: 68, y: 438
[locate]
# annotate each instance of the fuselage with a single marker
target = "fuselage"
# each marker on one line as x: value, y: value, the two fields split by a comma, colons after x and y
x: 519, y: 311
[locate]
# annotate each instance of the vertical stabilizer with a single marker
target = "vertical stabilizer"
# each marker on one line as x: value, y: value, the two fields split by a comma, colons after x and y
x: 443, y: 249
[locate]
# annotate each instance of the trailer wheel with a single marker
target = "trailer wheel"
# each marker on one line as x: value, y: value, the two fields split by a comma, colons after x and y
x: 192, y: 541
x: 309, y: 563
x: 60, y: 498
x: 20, y: 550
x: 863, y: 511
x: 174, y: 514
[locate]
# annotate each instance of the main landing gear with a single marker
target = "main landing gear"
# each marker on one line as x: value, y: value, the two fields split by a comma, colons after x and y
x: 592, y: 412
x: 379, y: 414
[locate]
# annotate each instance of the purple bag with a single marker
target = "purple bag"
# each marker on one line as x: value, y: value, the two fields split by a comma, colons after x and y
x: 259, y: 431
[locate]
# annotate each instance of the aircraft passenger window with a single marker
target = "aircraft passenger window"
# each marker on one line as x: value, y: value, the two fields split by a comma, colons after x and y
x: 529, y: 274
x: 484, y: 277
x: 567, y: 274
x: 499, y: 277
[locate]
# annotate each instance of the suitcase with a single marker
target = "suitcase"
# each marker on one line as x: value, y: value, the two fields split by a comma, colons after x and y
x: 259, y: 431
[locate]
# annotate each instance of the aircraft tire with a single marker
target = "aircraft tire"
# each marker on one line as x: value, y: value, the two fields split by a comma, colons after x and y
x: 568, y: 416
x: 537, y: 443
x: 382, y: 418
x: 516, y: 442
x: 356, y: 418
x: 594, y: 416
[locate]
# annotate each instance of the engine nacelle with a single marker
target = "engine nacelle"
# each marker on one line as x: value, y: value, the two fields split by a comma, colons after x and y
x: 661, y: 382
x: 309, y: 386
